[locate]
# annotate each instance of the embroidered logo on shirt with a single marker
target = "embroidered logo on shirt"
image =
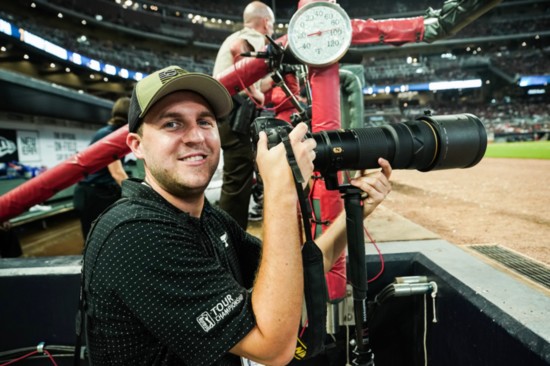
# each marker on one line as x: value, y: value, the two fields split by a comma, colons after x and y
x: 208, y: 319
x: 224, y: 239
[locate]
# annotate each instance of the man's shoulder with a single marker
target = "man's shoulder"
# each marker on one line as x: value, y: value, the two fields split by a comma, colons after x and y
x: 132, y: 217
x: 253, y: 37
x: 105, y: 130
x: 139, y: 203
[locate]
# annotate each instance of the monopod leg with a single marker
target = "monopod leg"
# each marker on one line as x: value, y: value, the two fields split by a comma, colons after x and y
x: 358, y: 273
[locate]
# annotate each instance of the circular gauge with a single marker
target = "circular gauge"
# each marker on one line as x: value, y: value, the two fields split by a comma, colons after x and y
x: 319, y: 33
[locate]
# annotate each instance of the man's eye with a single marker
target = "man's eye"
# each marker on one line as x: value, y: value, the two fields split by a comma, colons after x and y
x: 171, y: 124
x: 206, y: 122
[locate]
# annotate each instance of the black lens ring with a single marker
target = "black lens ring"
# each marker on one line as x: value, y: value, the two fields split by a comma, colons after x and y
x: 436, y: 140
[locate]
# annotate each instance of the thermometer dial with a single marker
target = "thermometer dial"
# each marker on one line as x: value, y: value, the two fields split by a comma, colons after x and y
x: 319, y: 34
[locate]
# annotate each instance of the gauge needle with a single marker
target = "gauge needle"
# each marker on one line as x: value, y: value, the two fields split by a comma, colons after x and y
x: 319, y: 32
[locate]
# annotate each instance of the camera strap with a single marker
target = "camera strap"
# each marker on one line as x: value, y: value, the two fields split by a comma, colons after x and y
x: 311, y: 336
x: 298, y: 178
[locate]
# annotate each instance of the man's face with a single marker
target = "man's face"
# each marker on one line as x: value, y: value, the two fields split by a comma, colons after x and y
x: 179, y: 143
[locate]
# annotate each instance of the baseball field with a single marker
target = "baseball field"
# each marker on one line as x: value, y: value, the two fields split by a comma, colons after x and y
x: 504, y: 200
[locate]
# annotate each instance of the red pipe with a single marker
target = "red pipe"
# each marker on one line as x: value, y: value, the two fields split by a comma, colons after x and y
x: 243, y: 73
x: 387, y: 31
x: 325, y: 108
x: 63, y: 175
x: 246, y: 71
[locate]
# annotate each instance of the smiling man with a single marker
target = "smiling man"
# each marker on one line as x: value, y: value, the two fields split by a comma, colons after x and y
x: 170, y: 279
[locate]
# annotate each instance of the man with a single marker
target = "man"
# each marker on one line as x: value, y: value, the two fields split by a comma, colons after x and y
x: 101, y: 189
x: 167, y: 276
x: 238, y: 160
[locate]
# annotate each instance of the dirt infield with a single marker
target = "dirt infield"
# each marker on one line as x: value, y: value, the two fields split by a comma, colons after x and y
x: 499, y: 201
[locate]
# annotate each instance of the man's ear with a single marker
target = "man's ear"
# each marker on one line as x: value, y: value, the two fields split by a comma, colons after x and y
x: 133, y: 140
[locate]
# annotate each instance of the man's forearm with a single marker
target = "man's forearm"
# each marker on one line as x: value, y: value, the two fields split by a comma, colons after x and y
x: 278, y: 291
x: 333, y: 241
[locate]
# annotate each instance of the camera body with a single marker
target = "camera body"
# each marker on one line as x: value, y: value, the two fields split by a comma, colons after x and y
x: 427, y: 143
x: 271, y: 126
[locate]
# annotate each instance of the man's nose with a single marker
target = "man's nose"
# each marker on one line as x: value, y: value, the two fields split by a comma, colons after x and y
x: 195, y: 135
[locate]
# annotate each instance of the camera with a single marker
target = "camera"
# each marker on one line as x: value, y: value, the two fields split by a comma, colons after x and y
x: 427, y: 143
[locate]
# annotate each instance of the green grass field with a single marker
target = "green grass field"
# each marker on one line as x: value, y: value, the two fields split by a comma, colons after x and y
x: 520, y: 150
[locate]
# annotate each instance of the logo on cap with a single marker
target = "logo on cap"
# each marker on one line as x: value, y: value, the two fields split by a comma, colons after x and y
x: 167, y: 75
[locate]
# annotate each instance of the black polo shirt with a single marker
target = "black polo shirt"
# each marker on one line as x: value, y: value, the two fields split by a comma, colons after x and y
x: 165, y: 288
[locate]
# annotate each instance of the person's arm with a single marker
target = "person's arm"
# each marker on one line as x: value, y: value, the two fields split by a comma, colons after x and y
x: 238, y: 47
x: 117, y: 171
x: 278, y: 290
x: 377, y: 186
x: 266, y: 84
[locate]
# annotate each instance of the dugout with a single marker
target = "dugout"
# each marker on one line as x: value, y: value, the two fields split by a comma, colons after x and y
x: 484, y: 315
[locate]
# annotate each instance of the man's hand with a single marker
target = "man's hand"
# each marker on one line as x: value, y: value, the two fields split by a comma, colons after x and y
x: 273, y: 162
x: 376, y: 186
x: 304, y: 150
x: 257, y: 95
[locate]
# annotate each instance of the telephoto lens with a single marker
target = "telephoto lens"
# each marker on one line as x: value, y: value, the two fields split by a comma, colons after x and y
x: 427, y: 143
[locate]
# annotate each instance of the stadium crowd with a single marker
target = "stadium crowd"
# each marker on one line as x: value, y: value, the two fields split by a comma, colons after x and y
x: 384, y: 70
x: 503, y: 117
x: 511, y: 59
